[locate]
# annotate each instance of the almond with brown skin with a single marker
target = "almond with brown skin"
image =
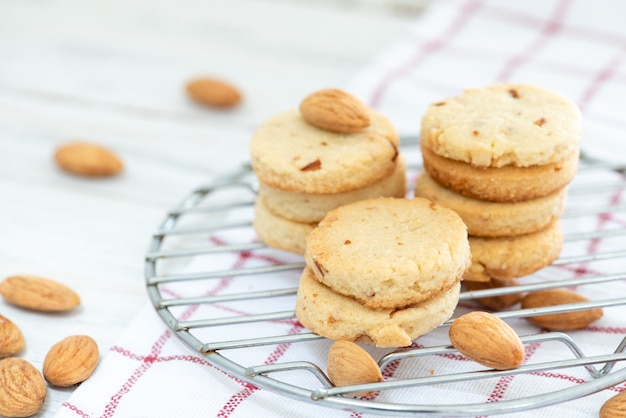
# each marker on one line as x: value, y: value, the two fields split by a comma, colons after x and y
x: 614, y: 407
x: 38, y: 294
x: 336, y: 111
x: 70, y: 361
x: 495, y: 303
x: 11, y: 338
x: 487, y: 340
x: 88, y: 159
x: 349, y: 364
x: 22, y: 388
x: 562, y: 321
x: 213, y: 92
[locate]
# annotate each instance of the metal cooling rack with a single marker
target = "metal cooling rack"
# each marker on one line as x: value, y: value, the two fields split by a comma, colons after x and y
x: 176, y: 241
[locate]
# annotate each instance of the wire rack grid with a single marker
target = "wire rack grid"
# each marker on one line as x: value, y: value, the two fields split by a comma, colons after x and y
x: 211, y: 231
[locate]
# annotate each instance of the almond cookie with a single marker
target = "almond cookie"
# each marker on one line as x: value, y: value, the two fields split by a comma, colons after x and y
x: 311, y: 208
x: 494, y: 219
x: 506, y: 184
x: 389, y: 252
x: 507, y: 258
x: 339, y: 317
x: 278, y: 232
x: 505, y: 126
x: 290, y: 154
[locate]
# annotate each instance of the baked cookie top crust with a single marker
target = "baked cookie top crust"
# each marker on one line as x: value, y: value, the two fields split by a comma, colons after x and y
x: 389, y: 252
x: 289, y: 154
x: 503, y: 124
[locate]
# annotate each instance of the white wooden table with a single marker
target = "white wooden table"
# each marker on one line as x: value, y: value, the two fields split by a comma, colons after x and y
x: 114, y: 73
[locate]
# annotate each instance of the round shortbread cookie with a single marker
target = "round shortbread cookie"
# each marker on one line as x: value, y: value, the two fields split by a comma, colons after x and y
x: 290, y: 154
x: 340, y: 317
x: 311, y: 208
x: 507, y: 258
x: 506, y: 184
x: 389, y: 252
x: 280, y: 233
x: 494, y: 219
x: 518, y: 125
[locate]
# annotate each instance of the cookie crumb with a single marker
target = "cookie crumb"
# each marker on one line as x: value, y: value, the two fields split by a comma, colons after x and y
x: 514, y: 93
x: 540, y: 122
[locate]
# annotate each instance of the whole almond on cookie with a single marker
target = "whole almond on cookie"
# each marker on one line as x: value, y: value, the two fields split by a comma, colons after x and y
x: 562, y: 321
x: 22, y: 388
x: 349, y: 364
x: 487, y: 340
x: 336, y: 111
x: 38, y: 293
x: 88, y: 159
x: 11, y: 338
x: 71, y: 361
x: 614, y: 407
x: 213, y: 92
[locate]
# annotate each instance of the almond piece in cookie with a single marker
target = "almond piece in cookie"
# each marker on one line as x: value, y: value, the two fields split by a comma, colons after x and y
x: 335, y: 110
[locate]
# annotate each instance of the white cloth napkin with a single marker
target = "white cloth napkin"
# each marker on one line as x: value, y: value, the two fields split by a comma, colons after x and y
x: 574, y: 47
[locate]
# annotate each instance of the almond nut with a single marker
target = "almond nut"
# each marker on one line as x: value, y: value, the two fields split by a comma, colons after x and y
x: 561, y: 321
x: 495, y: 303
x: 487, y: 340
x: 11, y: 338
x: 88, y: 159
x: 336, y: 111
x: 22, y: 388
x: 614, y: 407
x: 70, y: 361
x: 349, y: 364
x: 38, y: 294
x: 214, y: 93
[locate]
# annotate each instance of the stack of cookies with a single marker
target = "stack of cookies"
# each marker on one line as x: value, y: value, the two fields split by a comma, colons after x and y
x: 502, y: 157
x: 331, y: 151
x: 383, y: 271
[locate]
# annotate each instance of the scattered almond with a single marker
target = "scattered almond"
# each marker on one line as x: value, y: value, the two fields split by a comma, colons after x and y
x: 561, y: 321
x: 38, y: 293
x: 70, y: 361
x: 214, y: 93
x: 11, y: 338
x: 336, y: 111
x: 614, y: 407
x: 349, y: 364
x: 495, y: 303
x: 22, y: 388
x: 487, y: 340
x: 88, y: 159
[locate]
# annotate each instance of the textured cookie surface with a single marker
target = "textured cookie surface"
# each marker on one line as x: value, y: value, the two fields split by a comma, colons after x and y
x: 503, y: 124
x: 507, y: 258
x: 389, y: 252
x: 494, y: 219
x: 506, y: 184
x: 280, y: 233
x: 339, y: 317
x: 290, y: 154
x: 311, y: 208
